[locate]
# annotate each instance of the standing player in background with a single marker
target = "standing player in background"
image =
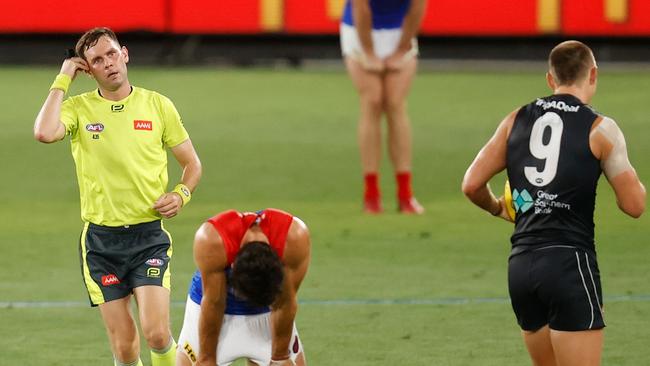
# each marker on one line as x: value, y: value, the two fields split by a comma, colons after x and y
x: 555, y: 149
x: 242, y: 301
x: 380, y: 50
x: 118, y: 135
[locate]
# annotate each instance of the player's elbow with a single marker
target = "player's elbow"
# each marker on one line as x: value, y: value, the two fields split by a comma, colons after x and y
x: 470, y: 188
x: 292, y: 308
x: 43, y: 137
x: 634, y: 209
x: 633, y: 204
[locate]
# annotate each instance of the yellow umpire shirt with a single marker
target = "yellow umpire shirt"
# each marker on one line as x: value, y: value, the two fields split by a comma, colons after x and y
x: 119, y: 152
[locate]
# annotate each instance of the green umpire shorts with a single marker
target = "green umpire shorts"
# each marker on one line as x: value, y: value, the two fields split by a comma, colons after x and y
x: 115, y: 260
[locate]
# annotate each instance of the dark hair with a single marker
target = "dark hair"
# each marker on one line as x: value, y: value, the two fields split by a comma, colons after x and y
x: 90, y: 38
x: 257, y: 274
x: 570, y: 61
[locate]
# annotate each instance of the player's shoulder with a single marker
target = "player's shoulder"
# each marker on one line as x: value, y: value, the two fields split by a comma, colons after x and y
x: 207, y: 236
x: 151, y: 94
x: 298, y: 230
x: 605, y: 124
x: 87, y: 97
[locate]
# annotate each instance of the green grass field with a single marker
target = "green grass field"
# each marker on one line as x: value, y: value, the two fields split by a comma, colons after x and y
x: 386, y: 290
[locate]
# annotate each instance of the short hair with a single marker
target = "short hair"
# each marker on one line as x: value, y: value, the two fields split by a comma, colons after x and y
x: 570, y: 61
x: 91, y: 37
x: 257, y: 274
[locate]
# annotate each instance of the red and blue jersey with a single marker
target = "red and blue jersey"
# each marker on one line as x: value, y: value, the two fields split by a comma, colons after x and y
x: 232, y: 226
x: 386, y: 14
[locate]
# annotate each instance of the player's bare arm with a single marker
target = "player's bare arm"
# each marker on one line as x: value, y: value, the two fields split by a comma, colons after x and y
x: 210, y: 257
x: 410, y: 27
x: 608, y: 145
x: 170, y: 203
x: 296, y: 261
x: 363, y: 24
x: 48, y: 126
x: 490, y: 161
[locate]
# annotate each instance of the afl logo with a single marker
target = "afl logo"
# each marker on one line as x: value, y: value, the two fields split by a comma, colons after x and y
x: 155, y: 262
x: 95, y: 127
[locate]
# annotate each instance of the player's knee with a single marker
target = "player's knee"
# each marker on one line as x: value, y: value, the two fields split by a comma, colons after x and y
x: 125, y: 351
x: 373, y: 101
x: 157, y: 337
x: 394, y: 105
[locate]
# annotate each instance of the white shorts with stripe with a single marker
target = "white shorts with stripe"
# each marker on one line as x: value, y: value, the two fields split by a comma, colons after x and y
x: 241, y: 336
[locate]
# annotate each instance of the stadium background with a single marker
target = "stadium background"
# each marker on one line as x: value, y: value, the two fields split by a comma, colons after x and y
x: 280, y: 132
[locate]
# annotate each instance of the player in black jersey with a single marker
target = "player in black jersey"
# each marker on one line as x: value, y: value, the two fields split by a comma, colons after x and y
x: 554, y: 150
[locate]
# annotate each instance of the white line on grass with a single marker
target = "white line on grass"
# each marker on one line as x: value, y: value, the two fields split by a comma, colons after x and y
x: 335, y: 302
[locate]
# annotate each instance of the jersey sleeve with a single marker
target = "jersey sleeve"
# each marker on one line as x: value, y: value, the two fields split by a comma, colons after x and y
x: 69, y: 117
x: 174, y: 132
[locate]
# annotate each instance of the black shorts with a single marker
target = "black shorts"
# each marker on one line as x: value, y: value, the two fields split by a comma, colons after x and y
x: 115, y: 260
x: 556, y: 285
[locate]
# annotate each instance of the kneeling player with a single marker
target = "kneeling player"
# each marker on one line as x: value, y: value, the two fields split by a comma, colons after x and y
x: 242, y: 301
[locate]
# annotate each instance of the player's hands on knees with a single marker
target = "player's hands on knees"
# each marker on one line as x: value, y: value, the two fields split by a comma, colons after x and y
x: 287, y: 362
x: 399, y: 58
x: 205, y: 363
x: 72, y: 65
x: 370, y: 62
x: 168, y: 204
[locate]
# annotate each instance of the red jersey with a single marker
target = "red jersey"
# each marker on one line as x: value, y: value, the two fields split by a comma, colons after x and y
x: 232, y: 226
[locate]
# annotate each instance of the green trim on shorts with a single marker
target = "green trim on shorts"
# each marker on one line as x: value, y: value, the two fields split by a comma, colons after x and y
x: 94, y: 291
x: 167, y: 276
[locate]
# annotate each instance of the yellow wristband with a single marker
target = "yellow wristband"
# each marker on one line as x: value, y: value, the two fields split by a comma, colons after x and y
x: 62, y: 82
x: 184, y: 192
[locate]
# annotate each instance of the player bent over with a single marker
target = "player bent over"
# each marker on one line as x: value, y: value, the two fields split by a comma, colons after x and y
x: 242, y: 301
x: 555, y: 150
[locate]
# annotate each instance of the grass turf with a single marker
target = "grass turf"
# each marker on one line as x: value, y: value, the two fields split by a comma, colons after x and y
x: 287, y: 139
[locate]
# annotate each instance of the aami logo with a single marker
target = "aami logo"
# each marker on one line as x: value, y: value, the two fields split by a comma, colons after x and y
x: 142, y: 125
x: 110, y: 279
x: 95, y: 127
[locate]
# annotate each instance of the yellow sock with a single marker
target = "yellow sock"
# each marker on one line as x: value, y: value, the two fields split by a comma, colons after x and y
x: 164, y: 357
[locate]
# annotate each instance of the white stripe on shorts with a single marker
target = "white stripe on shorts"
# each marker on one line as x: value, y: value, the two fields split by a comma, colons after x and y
x: 593, y: 284
x: 587, y: 291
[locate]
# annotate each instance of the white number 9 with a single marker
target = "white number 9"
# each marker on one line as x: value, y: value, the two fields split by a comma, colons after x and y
x: 549, y: 152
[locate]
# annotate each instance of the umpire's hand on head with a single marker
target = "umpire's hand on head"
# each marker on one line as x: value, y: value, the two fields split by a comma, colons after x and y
x: 72, y: 65
x: 168, y: 204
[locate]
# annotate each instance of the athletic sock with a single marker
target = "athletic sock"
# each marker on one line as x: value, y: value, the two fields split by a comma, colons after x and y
x: 404, y: 190
x: 137, y: 362
x: 166, y: 356
x: 371, y: 191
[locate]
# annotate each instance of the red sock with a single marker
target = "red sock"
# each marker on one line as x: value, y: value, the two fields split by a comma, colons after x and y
x: 371, y: 186
x: 404, y: 191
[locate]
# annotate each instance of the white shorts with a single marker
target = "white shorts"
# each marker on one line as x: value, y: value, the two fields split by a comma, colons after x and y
x: 384, y: 41
x: 241, y: 336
